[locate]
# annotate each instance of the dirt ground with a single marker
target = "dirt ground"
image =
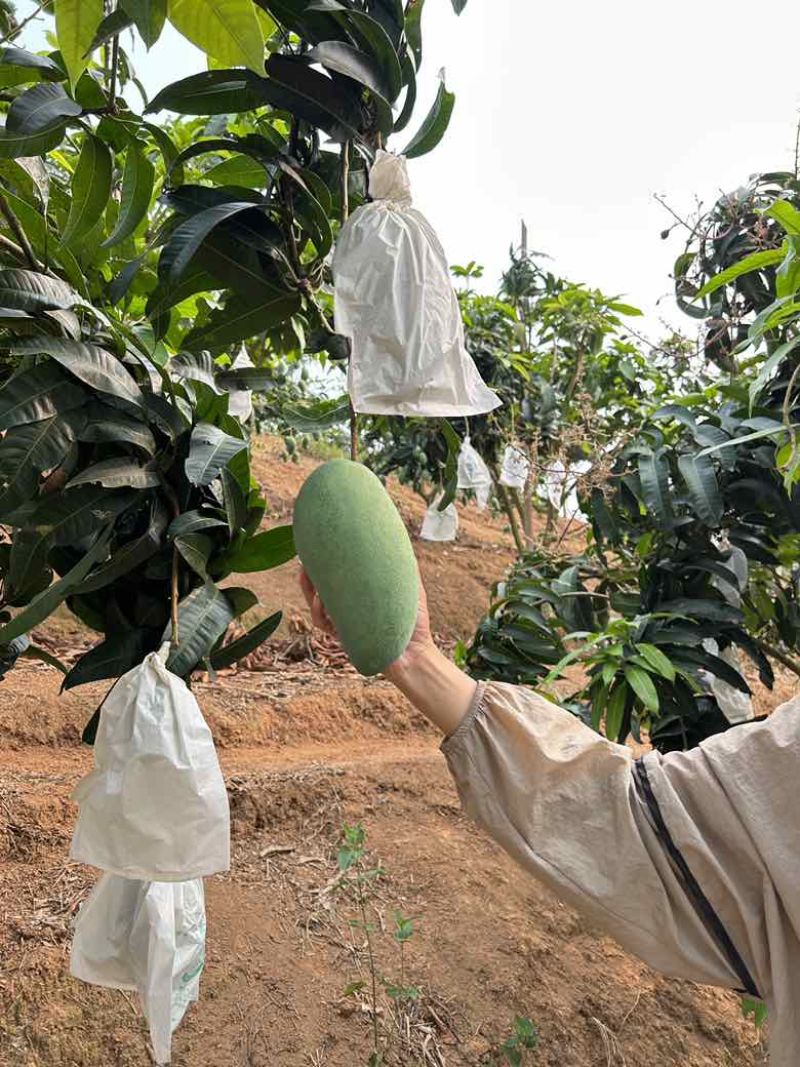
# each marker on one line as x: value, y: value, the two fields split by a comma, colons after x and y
x: 306, y: 747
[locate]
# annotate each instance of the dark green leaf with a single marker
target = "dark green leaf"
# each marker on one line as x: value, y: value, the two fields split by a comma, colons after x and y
x: 115, y: 656
x: 414, y: 30
x: 239, y: 320
x: 700, y: 477
x: 214, y: 92
x: 128, y: 557
x: 188, y: 237
x: 117, y: 473
x: 106, y: 425
x: 196, y: 549
x: 28, y: 451
x: 294, y: 86
x: 92, y: 365
x: 137, y: 189
x: 40, y: 108
x: 191, y: 522
x: 29, y: 291
x: 654, y: 475
x: 203, y: 617
x: 266, y: 550
x: 47, y: 601
x: 28, y: 66
x: 243, y: 646
x: 642, y: 685
x: 149, y: 17
x: 235, y: 502
x: 38, y: 394
x: 91, y: 189
x: 16, y: 145
x: 111, y: 26
x: 210, y: 450
x: 435, y: 125
x: 241, y: 600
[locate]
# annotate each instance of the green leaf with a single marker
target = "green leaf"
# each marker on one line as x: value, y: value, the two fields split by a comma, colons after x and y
x: 700, y: 608
x: 66, y: 518
x: 346, y: 59
x: 317, y: 416
x: 293, y: 86
x: 16, y: 145
x: 226, y: 30
x: 654, y: 475
x: 266, y: 550
x: 203, y: 617
x: 191, y: 522
x: 615, y: 713
x: 787, y: 216
x: 241, y: 600
x: 149, y: 17
x: 128, y: 557
x: 240, y: 320
x: 38, y: 394
x: 700, y: 477
x: 771, y: 257
x: 76, y: 26
x: 373, y: 39
x: 112, y: 658
x: 91, y: 189
x: 414, y: 30
x: 196, y: 549
x: 435, y: 125
x: 657, y: 661
x: 30, y: 291
x: 642, y: 685
x: 18, y: 66
x: 243, y: 646
x: 28, y: 451
x: 458, y: 5
x: 210, y: 450
x: 214, y: 92
x: 107, y: 425
x: 35, y: 652
x: 117, y: 473
x: 235, y: 502
x: 92, y: 365
x: 40, y: 109
x: 47, y: 601
x: 111, y: 26
x: 138, y: 179
x: 188, y: 237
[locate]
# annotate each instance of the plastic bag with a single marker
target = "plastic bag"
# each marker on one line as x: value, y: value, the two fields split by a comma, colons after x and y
x: 736, y: 706
x: 439, y: 525
x: 147, y: 936
x: 240, y: 401
x: 473, y: 473
x: 515, y: 469
x: 395, y: 301
x: 155, y: 805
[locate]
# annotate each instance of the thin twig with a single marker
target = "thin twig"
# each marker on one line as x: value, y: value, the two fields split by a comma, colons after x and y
x: 12, y: 249
x: 112, y: 89
x: 19, y: 233
x: 345, y: 194
x: 21, y: 26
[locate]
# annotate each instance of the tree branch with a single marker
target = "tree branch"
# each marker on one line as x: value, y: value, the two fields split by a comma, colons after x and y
x: 19, y: 233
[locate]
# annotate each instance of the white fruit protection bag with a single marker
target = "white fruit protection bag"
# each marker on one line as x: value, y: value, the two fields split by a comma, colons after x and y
x: 439, y: 525
x: 155, y: 806
x: 148, y: 937
x: 515, y: 469
x: 395, y: 301
x: 473, y: 473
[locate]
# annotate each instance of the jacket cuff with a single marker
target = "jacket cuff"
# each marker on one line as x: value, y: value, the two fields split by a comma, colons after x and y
x: 476, y: 709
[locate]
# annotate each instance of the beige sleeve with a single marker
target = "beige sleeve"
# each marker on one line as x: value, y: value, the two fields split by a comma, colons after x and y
x: 561, y: 800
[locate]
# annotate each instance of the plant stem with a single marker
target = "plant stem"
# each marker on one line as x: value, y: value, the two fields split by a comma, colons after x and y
x: 19, y: 233
x: 174, y: 598
x: 345, y: 194
x: 508, y: 508
x: 12, y: 249
x: 21, y: 26
x: 112, y: 89
x: 373, y: 974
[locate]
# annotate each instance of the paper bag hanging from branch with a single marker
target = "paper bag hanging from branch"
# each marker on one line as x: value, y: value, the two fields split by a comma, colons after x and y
x: 395, y: 301
x: 155, y: 805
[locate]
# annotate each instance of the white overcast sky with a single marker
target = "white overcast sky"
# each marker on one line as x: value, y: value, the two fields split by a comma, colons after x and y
x: 573, y: 115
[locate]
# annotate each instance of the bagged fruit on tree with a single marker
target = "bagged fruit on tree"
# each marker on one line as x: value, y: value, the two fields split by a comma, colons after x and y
x: 155, y: 805
x: 395, y: 301
x: 144, y: 936
x: 515, y: 469
x: 473, y: 473
x: 439, y: 525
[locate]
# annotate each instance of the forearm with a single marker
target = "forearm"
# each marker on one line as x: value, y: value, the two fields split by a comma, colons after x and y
x: 435, y: 686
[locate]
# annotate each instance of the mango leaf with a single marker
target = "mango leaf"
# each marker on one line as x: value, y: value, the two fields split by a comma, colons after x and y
x: 239, y: 320
x: 66, y: 518
x: 373, y: 39
x: 657, y: 661
x: 41, y: 654
x: 214, y: 92
x: 13, y: 145
x: 414, y: 31
x: 615, y: 712
x: 26, y: 452
x: 128, y: 557
x: 226, y: 30
x: 700, y: 478
x: 410, y: 101
x: 117, y: 473
x: 700, y: 608
x: 39, y: 109
x: 188, y: 237
x: 317, y: 416
x: 107, y: 425
x: 18, y: 66
x: 787, y: 216
x: 236, y: 507
x: 654, y: 475
x: 771, y: 257
x: 642, y: 685
x: 266, y: 550
x: 43, y: 605
x: 76, y: 26
x: 191, y: 522
x: 240, y: 599
x: 294, y: 86
x: 246, y: 378
x: 196, y: 549
x: 435, y: 125
x: 346, y: 59
x: 30, y: 291
x: 112, y: 25
x: 148, y: 16
x: 112, y: 658
x: 91, y: 189
x: 38, y: 394
x: 210, y: 450
x: 243, y: 646
x: 138, y: 179
x: 459, y: 5
x: 203, y: 617
x: 92, y: 365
